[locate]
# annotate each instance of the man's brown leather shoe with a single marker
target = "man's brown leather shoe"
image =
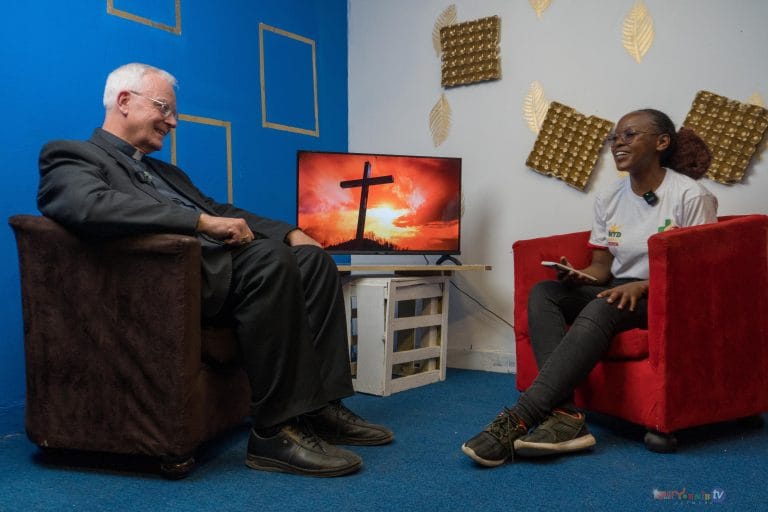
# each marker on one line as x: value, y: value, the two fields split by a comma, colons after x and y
x: 336, y: 424
x: 296, y: 449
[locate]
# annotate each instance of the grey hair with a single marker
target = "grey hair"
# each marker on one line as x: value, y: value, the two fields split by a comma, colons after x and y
x: 130, y: 77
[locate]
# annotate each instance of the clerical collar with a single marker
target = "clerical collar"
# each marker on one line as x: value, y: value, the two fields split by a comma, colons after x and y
x: 121, y: 145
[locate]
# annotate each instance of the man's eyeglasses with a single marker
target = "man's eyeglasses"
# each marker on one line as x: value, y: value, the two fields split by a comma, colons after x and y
x: 162, y: 106
x: 625, y: 137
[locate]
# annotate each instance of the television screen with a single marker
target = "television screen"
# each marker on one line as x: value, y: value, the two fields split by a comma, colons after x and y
x: 356, y: 203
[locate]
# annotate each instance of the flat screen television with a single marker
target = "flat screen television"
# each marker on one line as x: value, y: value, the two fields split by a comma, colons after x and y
x: 360, y: 203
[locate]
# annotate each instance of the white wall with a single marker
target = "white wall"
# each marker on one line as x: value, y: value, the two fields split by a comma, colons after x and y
x: 575, y: 52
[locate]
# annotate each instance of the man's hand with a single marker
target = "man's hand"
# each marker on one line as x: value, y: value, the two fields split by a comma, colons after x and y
x: 298, y: 237
x: 624, y: 294
x: 231, y: 231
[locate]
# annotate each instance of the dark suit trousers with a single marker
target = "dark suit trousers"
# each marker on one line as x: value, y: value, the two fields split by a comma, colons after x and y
x: 288, y: 310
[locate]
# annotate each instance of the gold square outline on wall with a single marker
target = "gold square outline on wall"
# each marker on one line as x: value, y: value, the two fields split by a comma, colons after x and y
x: 227, y: 125
x: 262, y: 79
x: 146, y: 21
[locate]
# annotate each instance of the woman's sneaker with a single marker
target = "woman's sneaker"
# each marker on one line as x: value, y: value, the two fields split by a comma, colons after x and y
x: 561, y: 432
x: 494, y: 445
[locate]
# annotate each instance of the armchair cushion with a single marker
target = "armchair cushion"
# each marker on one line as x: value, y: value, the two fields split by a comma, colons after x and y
x: 627, y: 345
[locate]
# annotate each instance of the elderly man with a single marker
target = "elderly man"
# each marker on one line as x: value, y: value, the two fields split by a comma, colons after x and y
x: 274, y: 283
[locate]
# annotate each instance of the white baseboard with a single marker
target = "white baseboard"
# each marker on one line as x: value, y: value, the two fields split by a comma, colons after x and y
x: 490, y: 361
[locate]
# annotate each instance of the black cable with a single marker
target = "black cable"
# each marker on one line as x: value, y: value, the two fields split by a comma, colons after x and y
x: 481, y: 304
x: 474, y: 299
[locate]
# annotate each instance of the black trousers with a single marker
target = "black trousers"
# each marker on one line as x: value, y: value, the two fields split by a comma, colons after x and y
x: 288, y: 310
x: 565, y: 355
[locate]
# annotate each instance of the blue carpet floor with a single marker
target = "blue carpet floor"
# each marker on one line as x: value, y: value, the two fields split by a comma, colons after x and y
x: 422, y: 470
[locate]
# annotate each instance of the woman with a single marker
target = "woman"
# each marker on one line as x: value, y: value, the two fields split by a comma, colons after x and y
x: 650, y: 199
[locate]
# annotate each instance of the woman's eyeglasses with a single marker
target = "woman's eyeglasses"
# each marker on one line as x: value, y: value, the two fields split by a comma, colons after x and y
x: 626, y: 137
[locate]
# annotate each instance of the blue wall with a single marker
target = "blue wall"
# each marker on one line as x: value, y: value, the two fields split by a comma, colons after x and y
x: 56, y: 56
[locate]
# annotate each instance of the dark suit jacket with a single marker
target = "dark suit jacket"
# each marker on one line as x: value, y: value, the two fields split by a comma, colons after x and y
x: 93, y: 189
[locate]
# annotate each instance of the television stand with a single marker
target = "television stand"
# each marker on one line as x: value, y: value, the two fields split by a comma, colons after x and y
x: 397, y: 323
x: 408, y: 270
x: 447, y: 257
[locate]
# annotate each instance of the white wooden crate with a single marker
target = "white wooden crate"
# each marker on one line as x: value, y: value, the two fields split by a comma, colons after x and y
x: 398, y: 331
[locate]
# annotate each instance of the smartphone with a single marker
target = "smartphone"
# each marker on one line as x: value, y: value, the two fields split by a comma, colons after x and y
x: 566, y: 268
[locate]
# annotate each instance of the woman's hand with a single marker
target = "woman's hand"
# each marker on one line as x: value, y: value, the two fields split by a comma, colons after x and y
x: 600, y: 269
x: 624, y: 294
x: 572, y: 276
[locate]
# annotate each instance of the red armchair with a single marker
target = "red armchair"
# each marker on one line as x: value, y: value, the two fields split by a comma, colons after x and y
x: 703, y: 358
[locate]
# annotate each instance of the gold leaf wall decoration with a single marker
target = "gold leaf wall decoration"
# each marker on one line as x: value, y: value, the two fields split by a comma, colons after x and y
x: 637, y: 33
x: 756, y: 99
x: 535, y: 107
x: 447, y: 17
x: 540, y: 6
x: 440, y: 120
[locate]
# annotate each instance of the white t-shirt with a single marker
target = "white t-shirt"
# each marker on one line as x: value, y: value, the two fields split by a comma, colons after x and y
x: 623, y: 221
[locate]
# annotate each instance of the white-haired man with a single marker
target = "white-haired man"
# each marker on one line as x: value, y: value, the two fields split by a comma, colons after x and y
x: 272, y: 281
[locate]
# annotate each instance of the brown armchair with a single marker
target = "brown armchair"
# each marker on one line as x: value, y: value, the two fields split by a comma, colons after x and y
x: 116, y: 357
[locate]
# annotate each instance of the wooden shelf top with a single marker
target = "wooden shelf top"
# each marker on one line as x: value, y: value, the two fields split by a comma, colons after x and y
x: 414, y: 269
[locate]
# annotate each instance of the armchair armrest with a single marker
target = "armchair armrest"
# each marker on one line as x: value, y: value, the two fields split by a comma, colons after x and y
x: 708, y: 311
x: 112, y: 336
x: 528, y: 255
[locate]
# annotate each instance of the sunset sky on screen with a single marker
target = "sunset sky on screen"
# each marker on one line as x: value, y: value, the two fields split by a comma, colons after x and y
x: 418, y: 211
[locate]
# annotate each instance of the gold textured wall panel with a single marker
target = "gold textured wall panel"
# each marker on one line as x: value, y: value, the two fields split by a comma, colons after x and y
x: 568, y: 145
x: 732, y: 130
x: 470, y: 52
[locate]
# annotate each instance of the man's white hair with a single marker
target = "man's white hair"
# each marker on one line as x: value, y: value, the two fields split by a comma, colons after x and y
x: 130, y: 77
